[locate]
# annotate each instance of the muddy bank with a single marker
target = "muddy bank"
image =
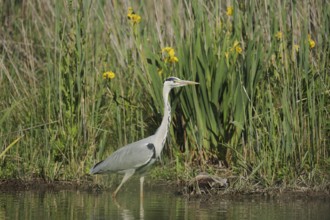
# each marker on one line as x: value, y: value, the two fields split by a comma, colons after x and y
x: 258, y: 193
x: 266, y: 194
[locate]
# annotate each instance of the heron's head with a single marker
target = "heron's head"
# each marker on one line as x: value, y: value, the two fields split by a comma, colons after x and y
x: 173, y: 82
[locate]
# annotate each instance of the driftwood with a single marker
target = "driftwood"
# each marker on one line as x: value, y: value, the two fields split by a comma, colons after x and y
x: 206, y: 183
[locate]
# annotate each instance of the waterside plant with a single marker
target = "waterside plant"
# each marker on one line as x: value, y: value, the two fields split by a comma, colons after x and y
x: 78, y: 79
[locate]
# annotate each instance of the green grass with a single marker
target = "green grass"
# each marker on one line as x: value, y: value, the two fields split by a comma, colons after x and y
x: 261, y: 109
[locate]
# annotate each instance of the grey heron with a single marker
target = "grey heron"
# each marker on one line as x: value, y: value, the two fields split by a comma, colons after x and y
x: 137, y: 157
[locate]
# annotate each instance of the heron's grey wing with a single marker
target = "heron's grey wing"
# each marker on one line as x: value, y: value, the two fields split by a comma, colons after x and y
x: 133, y: 156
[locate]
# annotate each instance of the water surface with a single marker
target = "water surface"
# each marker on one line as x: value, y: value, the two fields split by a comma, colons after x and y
x: 158, y: 203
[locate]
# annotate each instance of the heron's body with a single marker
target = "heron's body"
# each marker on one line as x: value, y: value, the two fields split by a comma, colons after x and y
x: 138, y: 156
x: 133, y: 156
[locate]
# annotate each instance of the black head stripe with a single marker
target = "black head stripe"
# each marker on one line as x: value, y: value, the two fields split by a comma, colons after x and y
x: 171, y: 79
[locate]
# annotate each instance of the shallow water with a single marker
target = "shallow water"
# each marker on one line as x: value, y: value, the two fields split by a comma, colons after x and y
x: 158, y: 203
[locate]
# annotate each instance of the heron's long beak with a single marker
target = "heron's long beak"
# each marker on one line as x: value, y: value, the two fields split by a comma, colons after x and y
x: 186, y: 82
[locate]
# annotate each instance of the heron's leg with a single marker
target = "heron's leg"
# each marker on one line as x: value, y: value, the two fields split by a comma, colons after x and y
x: 141, y: 186
x: 127, y: 175
x: 141, y: 198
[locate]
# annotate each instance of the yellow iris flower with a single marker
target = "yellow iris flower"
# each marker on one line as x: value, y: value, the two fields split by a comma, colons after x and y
x: 279, y: 35
x: 237, y: 47
x: 311, y: 42
x: 134, y: 18
x: 230, y: 10
x: 109, y: 75
x: 170, y: 55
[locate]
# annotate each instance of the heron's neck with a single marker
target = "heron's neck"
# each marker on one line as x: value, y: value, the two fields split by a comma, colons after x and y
x: 164, y: 127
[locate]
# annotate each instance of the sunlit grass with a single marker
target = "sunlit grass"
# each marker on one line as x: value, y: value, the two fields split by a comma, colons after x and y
x: 80, y: 79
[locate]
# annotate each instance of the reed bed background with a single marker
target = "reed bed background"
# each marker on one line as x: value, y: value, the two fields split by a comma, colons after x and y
x: 260, y: 113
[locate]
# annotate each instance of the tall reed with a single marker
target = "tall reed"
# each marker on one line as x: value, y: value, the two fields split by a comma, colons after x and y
x: 261, y: 109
